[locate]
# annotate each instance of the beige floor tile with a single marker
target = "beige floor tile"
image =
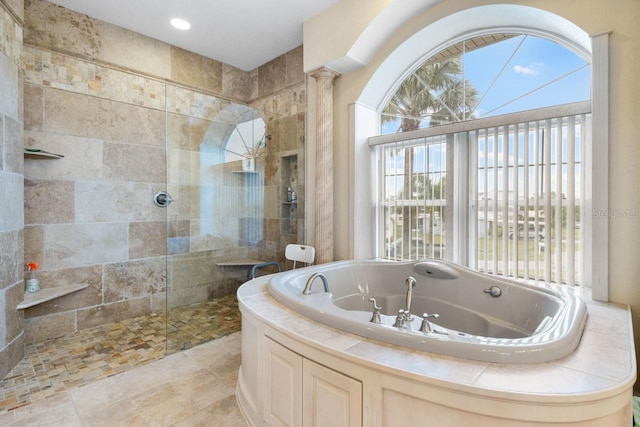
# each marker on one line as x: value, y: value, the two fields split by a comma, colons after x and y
x: 97, y: 396
x: 63, y: 414
x: 223, y: 413
x: 190, y: 388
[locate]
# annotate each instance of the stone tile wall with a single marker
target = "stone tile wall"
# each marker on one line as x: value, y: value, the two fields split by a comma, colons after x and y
x: 89, y: 217
x: 11, y: 186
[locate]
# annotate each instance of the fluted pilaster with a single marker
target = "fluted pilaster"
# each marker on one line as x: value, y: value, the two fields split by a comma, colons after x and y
x: 324, y: 164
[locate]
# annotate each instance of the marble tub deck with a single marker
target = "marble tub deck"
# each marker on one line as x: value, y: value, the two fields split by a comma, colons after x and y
x: 602, y: 365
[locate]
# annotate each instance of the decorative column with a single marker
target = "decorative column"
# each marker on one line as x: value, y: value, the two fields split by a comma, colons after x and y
x: 324, y: 164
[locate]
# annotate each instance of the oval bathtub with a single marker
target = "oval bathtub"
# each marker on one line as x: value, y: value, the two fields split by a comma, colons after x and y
x: 525, y: 323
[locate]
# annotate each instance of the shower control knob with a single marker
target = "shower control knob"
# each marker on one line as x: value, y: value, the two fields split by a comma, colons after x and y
x: 162, y: 199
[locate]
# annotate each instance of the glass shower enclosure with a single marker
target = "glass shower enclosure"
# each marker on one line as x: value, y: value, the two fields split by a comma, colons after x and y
x: 215, y: 212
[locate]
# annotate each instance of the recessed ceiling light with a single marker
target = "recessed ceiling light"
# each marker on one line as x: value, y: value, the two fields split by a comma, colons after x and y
x: 180, y: 24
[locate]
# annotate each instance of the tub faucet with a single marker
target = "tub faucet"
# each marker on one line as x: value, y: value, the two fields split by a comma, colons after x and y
x: 411, y: 283
x: 307, y: 287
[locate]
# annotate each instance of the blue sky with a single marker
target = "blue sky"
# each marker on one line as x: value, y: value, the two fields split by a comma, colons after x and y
x: 537, y: 62
x: 527, y: 63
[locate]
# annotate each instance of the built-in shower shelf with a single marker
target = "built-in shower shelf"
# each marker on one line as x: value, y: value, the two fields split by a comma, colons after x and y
x: 44, y: 295
x: 239, y: 262
x: 37, y: 153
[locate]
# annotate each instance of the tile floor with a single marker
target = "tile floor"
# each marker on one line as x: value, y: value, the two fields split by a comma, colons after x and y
x: 117, y: 374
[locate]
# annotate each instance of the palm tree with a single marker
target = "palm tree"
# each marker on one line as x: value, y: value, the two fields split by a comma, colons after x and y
x: 435, y: 93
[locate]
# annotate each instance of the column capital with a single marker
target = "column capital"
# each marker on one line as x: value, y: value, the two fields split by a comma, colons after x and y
x: 324, y: 73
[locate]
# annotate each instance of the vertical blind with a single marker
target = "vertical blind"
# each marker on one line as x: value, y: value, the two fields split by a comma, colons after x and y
x: 525, y: 193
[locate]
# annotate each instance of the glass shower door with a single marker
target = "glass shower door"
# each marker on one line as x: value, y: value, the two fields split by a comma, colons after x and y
x: 216, y: 216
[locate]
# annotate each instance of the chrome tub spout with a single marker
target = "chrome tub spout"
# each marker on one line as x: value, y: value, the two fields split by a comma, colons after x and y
x: 307, y: 287
x: 411, y: 283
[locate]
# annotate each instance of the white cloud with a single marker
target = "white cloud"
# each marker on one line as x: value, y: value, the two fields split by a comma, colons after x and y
x: 531, y: 70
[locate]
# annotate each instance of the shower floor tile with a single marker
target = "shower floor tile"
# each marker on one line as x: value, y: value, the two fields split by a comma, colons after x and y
x: 62, y: 364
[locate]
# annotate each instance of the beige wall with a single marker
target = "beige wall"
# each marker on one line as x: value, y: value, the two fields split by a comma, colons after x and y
x: 11, y: 184
x: 593, y: 16
x: 104, y: 96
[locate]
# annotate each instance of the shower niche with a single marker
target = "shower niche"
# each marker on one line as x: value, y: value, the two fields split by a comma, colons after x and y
x: 290, y: 195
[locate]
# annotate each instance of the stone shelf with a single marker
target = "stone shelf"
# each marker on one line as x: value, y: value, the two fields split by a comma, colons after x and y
x: 37, y: 153
x: 44, y: 295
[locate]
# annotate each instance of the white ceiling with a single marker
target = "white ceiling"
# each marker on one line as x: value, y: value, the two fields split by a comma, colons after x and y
x: 242, y: 33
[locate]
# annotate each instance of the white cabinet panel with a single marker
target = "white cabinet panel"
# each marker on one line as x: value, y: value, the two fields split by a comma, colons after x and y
x: 330, y: 398
x: 282, y: 386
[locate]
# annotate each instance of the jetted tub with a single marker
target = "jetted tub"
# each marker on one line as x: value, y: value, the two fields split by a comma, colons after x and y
x: 525, y: 323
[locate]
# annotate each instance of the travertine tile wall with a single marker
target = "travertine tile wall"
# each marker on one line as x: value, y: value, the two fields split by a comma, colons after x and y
x: 103, y: 97
x: 11, y: 186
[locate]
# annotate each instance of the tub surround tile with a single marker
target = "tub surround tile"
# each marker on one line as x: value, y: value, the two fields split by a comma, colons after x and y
x: 147, y: 239
x: 239, y: 84
x: 12, y: 32
x: 13, y: 318
x: 59, y: 71
x: 10, y: 355
x: 184, y: 64
x: 608, y: 319
x: 528, y: 379
x: 195, y: 270
x: 105, y: 201
x: 11, y: 270
x: 49, y: 201
x: 445, y: 368
x: 115, y: 312
x: 294, y: 66
x: 12, y: 195
x: 272, y: 76
x: 10, y: 102
x: 591, y: 352
x: 143, y: 53
x: 103, y: 118
x: 187, y: 296
x: 134, y: 279
x: 79, y: 245
x: 33, y: 108
x: 54, y: 325
x: 50, y: 24
x: 121, y: 162
x: 13, y: 159
x: 33, y: 246
x: 82, y: 157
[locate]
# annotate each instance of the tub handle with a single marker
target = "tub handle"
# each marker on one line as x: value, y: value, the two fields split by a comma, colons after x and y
x: 426, y: 326
x: 375, y: 318
x: 399, y: 323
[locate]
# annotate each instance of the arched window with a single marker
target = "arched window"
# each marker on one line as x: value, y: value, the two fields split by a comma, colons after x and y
x: 495, y: 126
x: 486, y: 76
x: 246, y: 139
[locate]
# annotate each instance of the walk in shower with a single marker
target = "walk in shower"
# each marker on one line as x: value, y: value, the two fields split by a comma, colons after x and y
x: 215, y: 215
x: 229, y: 170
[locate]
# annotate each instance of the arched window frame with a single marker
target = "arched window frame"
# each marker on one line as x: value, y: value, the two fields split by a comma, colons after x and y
x: 365, y: 113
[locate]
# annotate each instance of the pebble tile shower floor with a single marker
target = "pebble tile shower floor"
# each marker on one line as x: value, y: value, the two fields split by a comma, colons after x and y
x: 58, y: 365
